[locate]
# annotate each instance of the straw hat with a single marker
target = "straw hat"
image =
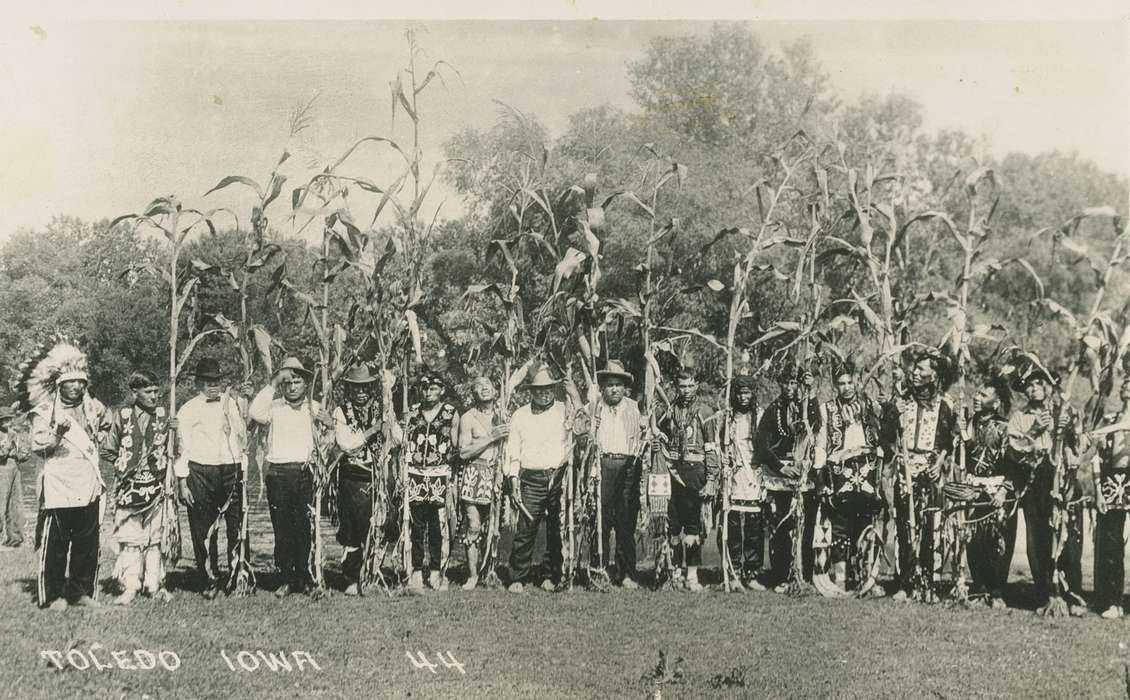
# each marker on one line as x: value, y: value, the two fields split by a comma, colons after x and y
x: 614, y: 370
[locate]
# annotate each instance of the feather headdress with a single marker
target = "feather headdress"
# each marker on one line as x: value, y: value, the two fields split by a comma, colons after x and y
x: 50, y: 365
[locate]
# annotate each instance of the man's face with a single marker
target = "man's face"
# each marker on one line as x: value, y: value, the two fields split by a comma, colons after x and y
x: 483, y: 391
x: 922, y: 373
x: 147, y: 396
x: 985, y: 400
x: 1036, y: 390
x: 542, y: 396
x: 432, y: 394
x: 744, y: 397
x: 687, y: 388
x: 613, y: 390
x: 845, y: 387
x: 360, y: 394
x: 72, y: 390
x: 791, y: 388
x: 211, y: 387
x: 294, y: 387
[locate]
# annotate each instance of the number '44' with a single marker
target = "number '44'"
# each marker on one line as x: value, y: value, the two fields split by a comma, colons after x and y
x: 420, y: 661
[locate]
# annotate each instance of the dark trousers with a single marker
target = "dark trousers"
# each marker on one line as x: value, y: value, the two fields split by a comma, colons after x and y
x: 427, y: 531
x: 849, y: 516
x: 1110, y: 550
x: 68, y: 540
x: 746, y: 533
x: 11, y: 504
x: 991, y: 543
x: 290, y: 493
x: 781, y: 539
x: 541, y: 495
x: 1040, y: 534
x: 354, y: 513
x: 684, y: 510
x: 211, y: 487
x: 916, y: 567
x: 620, y: 506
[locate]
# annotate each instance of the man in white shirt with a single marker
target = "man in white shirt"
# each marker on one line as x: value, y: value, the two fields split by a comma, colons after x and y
x: 212, y: 434
x: 538, y: 451
x: 619, y: 433
x: 289, y: 480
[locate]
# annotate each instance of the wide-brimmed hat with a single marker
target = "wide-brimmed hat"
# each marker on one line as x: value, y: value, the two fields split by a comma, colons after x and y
x: 540, y: 378
x: 614, y: 370
x: 359, y: 375
x: 208, y: 368
x: 1024, y: 368
x: 295, y: 365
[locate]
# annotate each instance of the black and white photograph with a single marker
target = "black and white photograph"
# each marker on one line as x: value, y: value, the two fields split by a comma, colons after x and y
x: 582, y: 351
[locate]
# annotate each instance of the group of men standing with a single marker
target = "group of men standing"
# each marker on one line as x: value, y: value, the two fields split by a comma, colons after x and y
x: 843, y: 470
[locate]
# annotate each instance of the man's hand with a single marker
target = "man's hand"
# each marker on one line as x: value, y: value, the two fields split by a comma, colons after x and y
x: 499, y: 432
x: 1044, y: 419
x: 245, y: 390
x: 1063, y: 421
x: 63, y: 426
x: 173, y: 424
x: 790, y: 471
x: 185, y: 493
x: 324, y: 418
x: 710, y: 490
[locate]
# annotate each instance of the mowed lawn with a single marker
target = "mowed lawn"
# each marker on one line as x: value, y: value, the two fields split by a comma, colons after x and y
x: 575, y: 644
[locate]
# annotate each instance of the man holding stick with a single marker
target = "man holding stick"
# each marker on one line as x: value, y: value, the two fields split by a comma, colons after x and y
x: 480, y: 438
x: 295, y: 422
x: 538, y: 450
x: 136, y: 444
x: 686, y: 436
x: 784, y: 425
x: 746, y: 522
x: 920, y: 433
x: 362, y: 434
x: 212, y: 434
x: 619, y: 431
x: 1032, y: 432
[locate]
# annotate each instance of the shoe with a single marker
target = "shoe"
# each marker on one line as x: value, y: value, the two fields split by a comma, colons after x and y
x: 692, y: 584
x: 997, y: 603
x: 753, y: 585
x: 901, y: 597
x: 416, y: 582
x: 1112, y: 613
x: 548, y: 586
x: 1077, y: 610
x: 516, y: 587
x: 437, y: 581
x: 781, y: 588
x: 86, y: 601
x: 280, y: 592
x: 58, y: 604
x: 161, y: 595
x: 125, y: 598
x: 352, y: 590
x: 629, y: 584
x: 471, y: 583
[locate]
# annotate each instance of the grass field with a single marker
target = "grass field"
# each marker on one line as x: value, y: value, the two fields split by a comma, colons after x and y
x: 578, y: 644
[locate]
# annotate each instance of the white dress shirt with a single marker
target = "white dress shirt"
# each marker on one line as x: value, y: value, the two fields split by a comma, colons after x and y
x: 620, y: 427
x: 292, y: 426
x: 204, y: 439
x: 538, y: 441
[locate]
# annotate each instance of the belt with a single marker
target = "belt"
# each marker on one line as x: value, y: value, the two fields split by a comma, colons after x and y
x: 616, y: 455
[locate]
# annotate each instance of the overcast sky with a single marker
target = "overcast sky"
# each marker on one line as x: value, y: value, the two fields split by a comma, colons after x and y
x: 99, y: 118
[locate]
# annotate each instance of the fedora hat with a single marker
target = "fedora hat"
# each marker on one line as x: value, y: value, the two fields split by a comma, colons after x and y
x: 615, y: 369
x: 359, y: 375
x: 542, y: 377
x: 208, y: 368
x: 295, y: 365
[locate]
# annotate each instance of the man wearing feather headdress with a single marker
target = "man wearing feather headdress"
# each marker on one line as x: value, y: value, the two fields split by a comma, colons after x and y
x: 67, y: 425
x: 1032, y: 433
x: 919, y: 434
x: 136, y: 444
